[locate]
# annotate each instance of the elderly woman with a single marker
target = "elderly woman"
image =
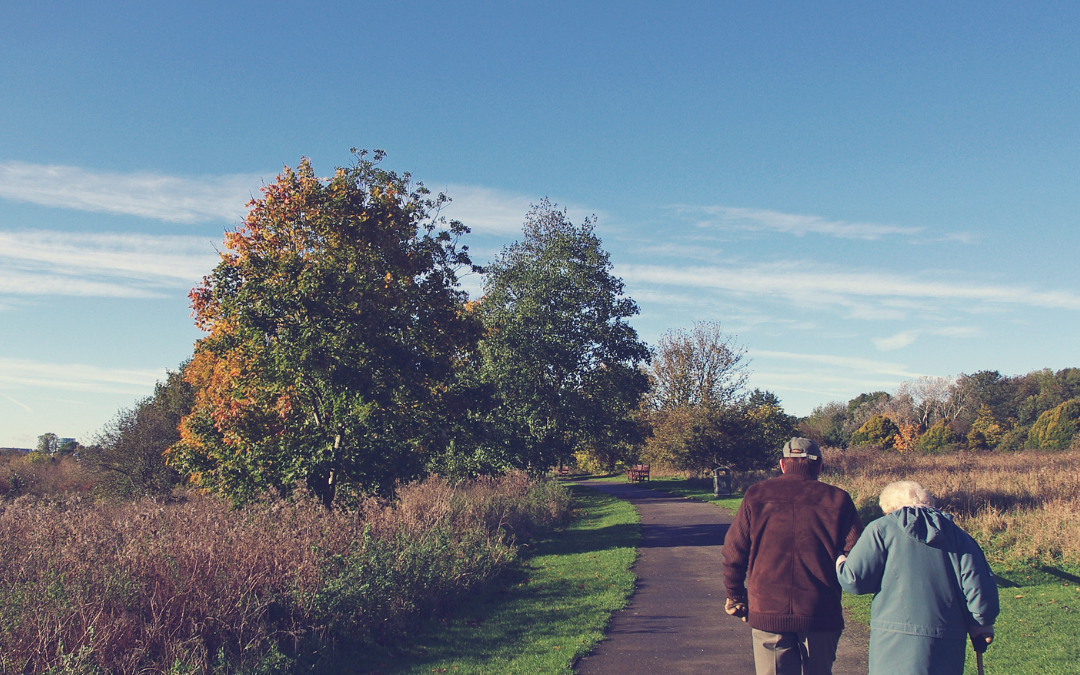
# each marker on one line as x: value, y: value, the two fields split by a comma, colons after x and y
x: 932, y: 584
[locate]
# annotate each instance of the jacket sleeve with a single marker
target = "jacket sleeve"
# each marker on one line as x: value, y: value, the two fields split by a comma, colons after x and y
x: 865, y: 565
x: 854, y: 526
x: 977, y: 581
x: 737, y: 555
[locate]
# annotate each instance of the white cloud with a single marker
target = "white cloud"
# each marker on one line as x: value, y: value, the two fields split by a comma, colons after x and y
x: 807, y: 282
x: 148, y: 195
x: 790, y: 223
x: 901, y: 339
x: 907, y: 337
x: 18, y: 403
x: 490, y: 211
x: 21, y: 283
x: 850, y: 363
x: 23, y: 373
x: 39, y: 262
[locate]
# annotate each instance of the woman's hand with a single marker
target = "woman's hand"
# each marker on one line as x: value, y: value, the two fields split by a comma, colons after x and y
x: 981, y: 637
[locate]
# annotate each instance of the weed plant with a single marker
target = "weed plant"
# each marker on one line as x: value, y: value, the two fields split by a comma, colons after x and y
x: 41, y: 475
x: 194, y: 586
x: 542, y: 614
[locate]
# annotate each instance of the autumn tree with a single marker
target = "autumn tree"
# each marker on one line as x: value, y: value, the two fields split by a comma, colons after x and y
x: 334, y: 322
x: 558, y: 352
x: 703, y: 366
x: 701, y: 415
x: 929, y: 397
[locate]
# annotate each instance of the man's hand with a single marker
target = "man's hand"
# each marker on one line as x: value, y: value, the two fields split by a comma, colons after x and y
x: 981, y: 637
x: 840, y: 560
x: 736, y: 609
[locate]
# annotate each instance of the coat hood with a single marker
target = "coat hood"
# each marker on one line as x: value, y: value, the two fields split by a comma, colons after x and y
x: 924, y: 524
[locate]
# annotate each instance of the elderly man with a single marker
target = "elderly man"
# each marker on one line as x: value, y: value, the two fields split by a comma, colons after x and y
x: 783, y: 545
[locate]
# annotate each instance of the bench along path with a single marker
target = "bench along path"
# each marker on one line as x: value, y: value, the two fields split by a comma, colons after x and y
x: 675, y: 622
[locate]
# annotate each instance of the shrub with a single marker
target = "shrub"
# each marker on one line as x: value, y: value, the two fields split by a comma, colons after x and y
x: 1015, y: 439
x: 42, y: 475
x: 196, y: 586
x: 937, y: 438
x: 1055, y: 428
x: 985, y: 432
x: 878, y: 430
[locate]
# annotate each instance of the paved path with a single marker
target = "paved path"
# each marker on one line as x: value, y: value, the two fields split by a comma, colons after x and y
x: 675, y: 622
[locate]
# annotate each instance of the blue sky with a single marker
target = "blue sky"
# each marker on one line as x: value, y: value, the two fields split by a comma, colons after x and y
x: 862, y: 192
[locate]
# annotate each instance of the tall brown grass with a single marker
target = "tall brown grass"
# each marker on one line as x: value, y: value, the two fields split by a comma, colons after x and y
x: 1020, y: 506
x: 41, y: 475
x: 195, y: 586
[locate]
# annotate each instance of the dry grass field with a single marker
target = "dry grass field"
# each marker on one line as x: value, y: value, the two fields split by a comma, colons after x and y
x: 1022, y: 507
x: 193, y: 585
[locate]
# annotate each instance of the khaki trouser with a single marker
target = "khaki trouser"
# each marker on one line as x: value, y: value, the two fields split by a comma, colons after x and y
x: 795, y: 653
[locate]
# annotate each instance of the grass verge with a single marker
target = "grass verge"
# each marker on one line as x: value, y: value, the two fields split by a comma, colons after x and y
x: 540, y: 617
x: 700, y: 489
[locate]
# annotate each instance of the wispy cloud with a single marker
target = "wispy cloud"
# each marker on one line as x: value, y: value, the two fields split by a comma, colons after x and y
x: 824, y: 376
x: 22, y: 283
x: 849, y: 363
x: 491, y: 211
x: 22, y: 373
x: 41, y: 262
x: 18, y: 403
x: 908, y: 337
x: 148, y: 195
x: 805, y: 281
x: 757, y: 220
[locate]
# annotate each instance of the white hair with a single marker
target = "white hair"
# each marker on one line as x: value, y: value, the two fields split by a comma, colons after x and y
x: 904, y: 493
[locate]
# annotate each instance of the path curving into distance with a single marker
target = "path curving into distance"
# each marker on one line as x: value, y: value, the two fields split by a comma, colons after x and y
x: 675, y: 621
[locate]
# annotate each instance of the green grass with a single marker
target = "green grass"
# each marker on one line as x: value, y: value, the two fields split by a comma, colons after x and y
x: 549, y: 611
x: 700, y: 489
x: 1038, y: 631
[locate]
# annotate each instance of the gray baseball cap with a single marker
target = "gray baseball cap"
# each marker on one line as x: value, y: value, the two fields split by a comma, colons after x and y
x: 802, y: 447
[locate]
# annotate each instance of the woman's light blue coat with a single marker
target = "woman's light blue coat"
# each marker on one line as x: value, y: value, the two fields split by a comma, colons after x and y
x: 931, y: 582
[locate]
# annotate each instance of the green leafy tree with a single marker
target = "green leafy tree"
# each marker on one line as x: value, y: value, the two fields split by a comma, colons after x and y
x: 47, y: 443
x: 561, y: 359
x: 825, y: 425
x: 128, y: 455
x: 334, y: 323
x: 1055, y: 429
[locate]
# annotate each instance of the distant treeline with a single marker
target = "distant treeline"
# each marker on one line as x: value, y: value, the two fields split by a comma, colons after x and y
x: 982, y: 411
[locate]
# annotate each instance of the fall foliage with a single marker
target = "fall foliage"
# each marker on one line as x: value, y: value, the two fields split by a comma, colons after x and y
x: 334, y: 323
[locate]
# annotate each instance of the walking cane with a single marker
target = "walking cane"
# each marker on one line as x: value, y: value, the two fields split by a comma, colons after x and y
x: 979, y: 644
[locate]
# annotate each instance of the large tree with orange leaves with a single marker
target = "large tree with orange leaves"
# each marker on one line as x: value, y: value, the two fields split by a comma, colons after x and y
x: 334, y: 321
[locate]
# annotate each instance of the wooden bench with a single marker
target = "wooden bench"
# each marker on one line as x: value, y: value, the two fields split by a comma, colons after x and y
x: 638, y: 473
x: 563, y: 471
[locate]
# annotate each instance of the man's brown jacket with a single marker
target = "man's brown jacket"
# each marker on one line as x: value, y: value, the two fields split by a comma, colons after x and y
x: 783, y: 544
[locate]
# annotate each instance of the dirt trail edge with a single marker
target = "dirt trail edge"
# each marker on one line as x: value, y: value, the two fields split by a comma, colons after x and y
x: 675, y: 622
